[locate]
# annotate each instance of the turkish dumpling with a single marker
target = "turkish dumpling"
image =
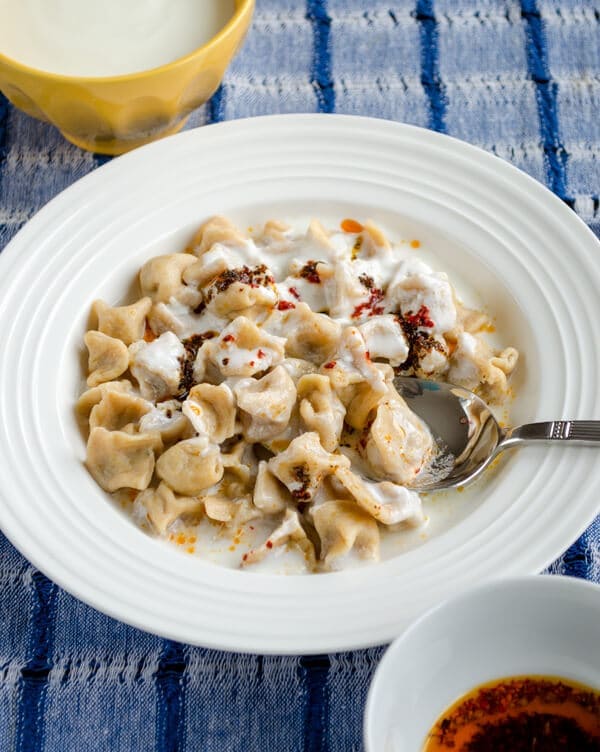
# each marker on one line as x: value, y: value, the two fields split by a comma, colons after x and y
x: 212, y: 411
x: 243, y: 349
x: 310, y: 336
x: 304, y: 464
x: 398, y: 444
x: 108, y: 357
x: 160, y: 507
x: 117, y: 409
x: 216, y: 230
x: 191, y: 466
x: 94, y: 395
x: 167, y: 419
x: 289, y: 531
x: 161, y: 279
x: 321, y: 409
x: 265, y: 404
x: 475, y: 366
x: 270, y: 495
x: 157, y: 366
x: 117, y: 459
x: 127, y: 323
x: 387, y: 502
x: 343, y: 526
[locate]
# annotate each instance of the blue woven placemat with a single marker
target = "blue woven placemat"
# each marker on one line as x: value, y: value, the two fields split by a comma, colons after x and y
x: 519, y: 79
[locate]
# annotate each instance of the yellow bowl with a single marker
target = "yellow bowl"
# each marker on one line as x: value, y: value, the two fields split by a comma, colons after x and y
x: 115, y: 114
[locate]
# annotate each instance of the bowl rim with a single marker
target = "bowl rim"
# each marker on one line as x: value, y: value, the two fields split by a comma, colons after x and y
x: 243, y: 9
x: 555, y: 582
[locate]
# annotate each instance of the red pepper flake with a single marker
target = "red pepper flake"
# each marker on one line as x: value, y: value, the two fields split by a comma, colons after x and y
x: 371, y: 305
x: 309, y: 272
x: 522, y: 713
x: 225, y: 361
x: 420, y: 318
x: 368, y: 356
x: 331, y: 364
x: 294, y: 292
x: 261, y: 354
x: 229, y: 338
x: 269, y: 544
x: 285, y: 305
x: 251, y: 363
x: 245, y: 557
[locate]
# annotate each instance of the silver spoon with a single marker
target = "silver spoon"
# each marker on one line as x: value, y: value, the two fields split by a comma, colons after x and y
x: 469, y: 436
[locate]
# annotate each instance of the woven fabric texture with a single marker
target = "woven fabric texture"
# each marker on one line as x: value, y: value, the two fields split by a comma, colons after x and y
x: 520, y: 79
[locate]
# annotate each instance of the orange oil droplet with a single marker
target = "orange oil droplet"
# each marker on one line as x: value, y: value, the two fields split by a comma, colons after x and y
x: 351, y: 225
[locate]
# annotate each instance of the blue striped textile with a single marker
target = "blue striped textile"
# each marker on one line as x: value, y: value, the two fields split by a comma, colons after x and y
x: 520, y: 79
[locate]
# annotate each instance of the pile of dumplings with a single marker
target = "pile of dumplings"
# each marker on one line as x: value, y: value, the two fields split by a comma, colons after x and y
x: 253, y: 378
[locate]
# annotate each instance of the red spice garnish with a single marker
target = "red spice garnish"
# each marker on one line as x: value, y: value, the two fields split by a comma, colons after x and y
x: 229, y: 338
x: 421, y: 318
x: 368, y: 355
x: 371, y: 305
x: 331, y: 364
x: 244, y: 557
x: 521, y: 713
x: 285, y: 305
x: 351, y: 226
x: 251, y: 364
x: 251, y: 276
x: 309, y: 272
x: 269, y: 544
x: 261, y: 354
x: 225, y: 361
x: 294, y: 292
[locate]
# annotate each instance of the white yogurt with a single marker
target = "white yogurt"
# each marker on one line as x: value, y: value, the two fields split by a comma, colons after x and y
x: 107, y: 38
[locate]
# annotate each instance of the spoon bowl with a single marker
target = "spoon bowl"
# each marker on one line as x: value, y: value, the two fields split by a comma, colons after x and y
x: 469, y: 437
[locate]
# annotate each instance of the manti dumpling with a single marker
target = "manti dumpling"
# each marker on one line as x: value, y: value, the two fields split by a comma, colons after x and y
x: 212, y: 411
x: 161, y: 507
x: 108, y: 358
x: 161, y: 279
x: 265, y: 404
x: 191, y: 466
x: 118, y: 409
x: 321, y: 409
x: 343, y: 526
x: 398, y: 444
x: 304, y: 464
x: 121, y: 460
x: 289, y: 531
x: 127, y: 323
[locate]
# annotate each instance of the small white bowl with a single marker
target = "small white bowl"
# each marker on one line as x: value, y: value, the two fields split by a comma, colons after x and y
x: 529, y: 625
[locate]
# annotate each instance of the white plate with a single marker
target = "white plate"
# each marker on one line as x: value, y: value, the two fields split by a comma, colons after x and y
x: 544, y: 626
x: 534, y: 263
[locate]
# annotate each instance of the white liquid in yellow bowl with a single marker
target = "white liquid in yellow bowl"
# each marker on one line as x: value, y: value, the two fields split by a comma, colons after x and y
x: 107, y: 37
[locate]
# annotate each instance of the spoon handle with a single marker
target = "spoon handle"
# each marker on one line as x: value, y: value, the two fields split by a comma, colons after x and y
x: 572, y: 431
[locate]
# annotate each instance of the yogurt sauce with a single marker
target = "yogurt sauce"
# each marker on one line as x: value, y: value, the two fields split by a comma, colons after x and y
x: 107, y: 38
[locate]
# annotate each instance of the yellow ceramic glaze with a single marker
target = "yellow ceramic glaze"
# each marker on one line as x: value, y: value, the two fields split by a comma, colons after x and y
x: 116, y: 114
